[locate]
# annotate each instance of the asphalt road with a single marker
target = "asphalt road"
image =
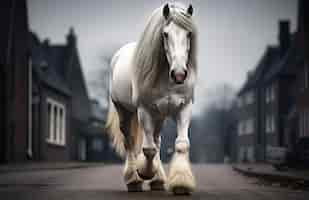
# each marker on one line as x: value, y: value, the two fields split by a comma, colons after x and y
x: 214, y: 182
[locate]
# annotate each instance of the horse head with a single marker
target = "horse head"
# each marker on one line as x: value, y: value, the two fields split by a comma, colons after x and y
x: 177, y: 42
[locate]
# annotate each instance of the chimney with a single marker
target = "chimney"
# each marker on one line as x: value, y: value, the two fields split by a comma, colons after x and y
x: 301, y: 15
x: 46, y: 43
x: 250, y: 74
x: 303, y: 26
x: 71, y: 38
x: 284, y: 36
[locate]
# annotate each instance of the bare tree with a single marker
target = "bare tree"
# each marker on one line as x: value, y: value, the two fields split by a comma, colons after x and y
x: 209, y: 132
x: 100, y: 79
x: 99, y: 83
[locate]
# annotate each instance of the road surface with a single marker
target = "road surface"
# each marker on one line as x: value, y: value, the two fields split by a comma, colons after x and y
x: 105, y: 182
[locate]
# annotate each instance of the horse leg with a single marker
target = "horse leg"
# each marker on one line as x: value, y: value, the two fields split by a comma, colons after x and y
x: 146, y: 167
x: 180, y: 178
x: 133, y: 181
x: 158, y: 181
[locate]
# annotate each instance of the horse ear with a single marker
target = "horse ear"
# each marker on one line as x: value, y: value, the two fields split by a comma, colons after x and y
x: 166, y: 11
x: 190, y: 10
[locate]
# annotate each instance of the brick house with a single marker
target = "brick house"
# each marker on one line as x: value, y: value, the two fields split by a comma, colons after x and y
x: 98, y: 145
x: 61, y: 107
x: 280, y: 106
x: 302, y: 100
x: 14, y: 82
x: 51, y: 102
x: 249, y: 109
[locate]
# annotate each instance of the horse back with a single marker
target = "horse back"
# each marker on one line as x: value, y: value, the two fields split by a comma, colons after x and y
x: 122, y: 75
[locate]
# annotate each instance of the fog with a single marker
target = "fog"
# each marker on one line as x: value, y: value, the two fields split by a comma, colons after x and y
x: 232, y: 34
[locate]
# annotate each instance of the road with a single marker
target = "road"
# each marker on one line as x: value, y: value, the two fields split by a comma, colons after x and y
x: 105, y: 182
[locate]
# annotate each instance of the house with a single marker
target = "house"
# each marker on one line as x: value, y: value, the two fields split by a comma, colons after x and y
x: 15, y: 121
x: 250, y: 136
x: 51, y: 102
x: 98, y: 144
x: 298, y: 121
x: 266, y: 99
x: 81, y: 109
x: 302, y: 100
x: 289, y: 80
x: 230, y: 139
x: 279, y: 102
x: 60, y: 103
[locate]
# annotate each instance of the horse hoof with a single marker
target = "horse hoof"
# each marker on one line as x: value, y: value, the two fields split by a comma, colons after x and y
x: 157, y: 186
x: 181, y: 191
x: 146, y: 165
x: 181, y: 180
x: 135, y: 187
x: 145, y: 177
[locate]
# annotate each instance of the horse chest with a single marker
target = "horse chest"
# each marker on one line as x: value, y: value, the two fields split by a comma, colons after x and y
x: 169, y: 104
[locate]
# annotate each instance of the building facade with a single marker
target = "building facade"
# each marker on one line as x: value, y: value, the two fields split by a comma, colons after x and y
x: 60, y: 103
x: 14, y: 82
x: 98, y: 146
x: 51, y: 103
x: 302, y: 101
x: 280, y: 106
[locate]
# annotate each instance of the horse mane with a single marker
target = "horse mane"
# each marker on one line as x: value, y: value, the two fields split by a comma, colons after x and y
x: 149, y: 57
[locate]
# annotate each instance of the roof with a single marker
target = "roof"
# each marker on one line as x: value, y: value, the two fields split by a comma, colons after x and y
x: 97, y: 112
x: 293, y: 57
x: 59, y: 67
x: 270, y: 56
x: 273, y: 65
x: 47, y: 61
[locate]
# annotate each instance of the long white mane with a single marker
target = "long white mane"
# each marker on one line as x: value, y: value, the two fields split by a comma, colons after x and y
x: 149, y: 58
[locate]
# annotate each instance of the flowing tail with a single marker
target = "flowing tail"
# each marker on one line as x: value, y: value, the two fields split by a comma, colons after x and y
x: 116, y: 135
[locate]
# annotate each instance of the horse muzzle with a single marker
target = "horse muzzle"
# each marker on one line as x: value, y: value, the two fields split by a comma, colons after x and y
x: 179, y: 77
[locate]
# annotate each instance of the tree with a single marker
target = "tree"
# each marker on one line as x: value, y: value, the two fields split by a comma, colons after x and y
x: 99, y: 83
x: 210, y: 131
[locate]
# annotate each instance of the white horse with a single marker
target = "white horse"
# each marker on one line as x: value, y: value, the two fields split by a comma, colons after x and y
x: 151, y: 80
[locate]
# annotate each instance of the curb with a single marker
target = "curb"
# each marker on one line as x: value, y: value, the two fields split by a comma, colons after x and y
x: 271, y: 176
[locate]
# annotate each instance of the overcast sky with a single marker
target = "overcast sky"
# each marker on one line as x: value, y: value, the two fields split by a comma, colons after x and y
x: 232, y: 33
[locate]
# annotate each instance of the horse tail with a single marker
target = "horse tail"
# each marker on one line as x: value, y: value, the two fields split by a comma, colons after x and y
x: 113, y: 129
x: 136, y: 133
x: 120, y: 142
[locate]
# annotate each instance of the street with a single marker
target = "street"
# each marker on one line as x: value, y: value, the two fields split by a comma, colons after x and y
x: 105, y: 182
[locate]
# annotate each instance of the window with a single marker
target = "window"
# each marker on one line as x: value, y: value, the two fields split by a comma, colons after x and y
x: 240, y: 128
x: 304, y: 123
x: 270, y: 124
x: 55, y: 122
x: 97, y: 145
x: 250, y: 126
x: 246, y: 127
x: 30, y: 136
x: 270, y: 94
x: 239, y: 102
x: 249, y: 98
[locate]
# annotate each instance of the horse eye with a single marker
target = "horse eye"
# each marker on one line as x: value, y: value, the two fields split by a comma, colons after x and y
x: 189, y: 35
x: 165, y: 34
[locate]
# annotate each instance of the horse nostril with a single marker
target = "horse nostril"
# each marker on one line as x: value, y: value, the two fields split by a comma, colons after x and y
x: 173, y: 74
x: 179, y: 78
x: 186, y: 73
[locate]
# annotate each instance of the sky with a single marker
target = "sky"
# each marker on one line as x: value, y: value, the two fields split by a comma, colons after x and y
x: 233, y: 34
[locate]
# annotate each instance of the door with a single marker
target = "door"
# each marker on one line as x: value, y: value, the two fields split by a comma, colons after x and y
x: 82, y: 150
